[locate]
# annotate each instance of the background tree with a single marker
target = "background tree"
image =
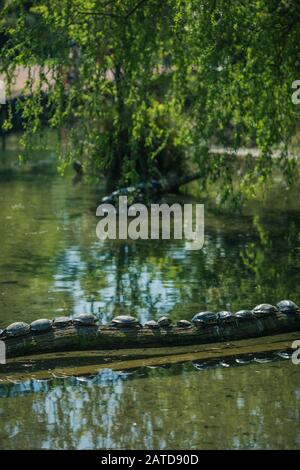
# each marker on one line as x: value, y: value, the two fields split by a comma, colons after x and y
x: 144, y: 87
x: 247, y: 55
x: 119, y: 105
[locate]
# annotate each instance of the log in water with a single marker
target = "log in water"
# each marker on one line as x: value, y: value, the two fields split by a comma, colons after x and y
x: 82, y: 363
x: 87, y: 338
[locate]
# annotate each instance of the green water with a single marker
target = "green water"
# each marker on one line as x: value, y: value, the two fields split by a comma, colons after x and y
x: 253, y: 406
x: 51, y: 263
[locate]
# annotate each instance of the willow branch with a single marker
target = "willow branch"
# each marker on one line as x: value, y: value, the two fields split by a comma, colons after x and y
x: 133, y: 10
x: 99, y: 13
x: 114, y: 15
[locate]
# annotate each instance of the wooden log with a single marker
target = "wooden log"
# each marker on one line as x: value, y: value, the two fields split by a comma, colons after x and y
x: 86, y: 338
x: 149, y: 189
x: 80, y: 363
x: 174, y: 183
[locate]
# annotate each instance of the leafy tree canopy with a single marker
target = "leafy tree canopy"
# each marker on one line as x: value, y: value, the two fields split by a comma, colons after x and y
x: 141, y: 87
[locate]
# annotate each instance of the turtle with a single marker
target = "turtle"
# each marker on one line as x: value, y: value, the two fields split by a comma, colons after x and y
x: 206, y: 318
x: 164, y: 321
x: 84, y: 319
x: 151, y: 324
x: 17, y: 329
x: 142, y: 185
x: 225, y: 317
x: 107, y: 200
x: 184, y: 324
x: 288, y: 307
x: 125, y: 321
x: 244, y: 315
x: 130, y: 189
x: 124, y: 191
x: 40, y: 325
x: 77, y: 166
x: 61, y: 322
x: 156, y: 185
x: 264, y: 310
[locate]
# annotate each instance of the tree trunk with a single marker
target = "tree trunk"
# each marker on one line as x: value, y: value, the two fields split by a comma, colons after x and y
x: 121, y: 137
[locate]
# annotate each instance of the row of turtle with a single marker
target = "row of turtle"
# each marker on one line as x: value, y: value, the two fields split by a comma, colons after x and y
x: 201, y: 319
x: 136, y: 192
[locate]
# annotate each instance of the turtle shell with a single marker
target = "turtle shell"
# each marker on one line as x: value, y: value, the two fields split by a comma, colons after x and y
x: 164, y: 321
x: 205, y: 318
x: 151, y: 324
x: 264, y: 310
x: 125, y: 321
x: 156, y: 185
x: 84, y: 319
x: 123, y: 191
x: 130, y: 189
x: 244, y: 315
x: 184, y: 324
x: 61, y: 322
x: 107, y: 200
x: 42, y: 324
x: 288, y: 307
x: 225, y: 317
x: 17, y: 329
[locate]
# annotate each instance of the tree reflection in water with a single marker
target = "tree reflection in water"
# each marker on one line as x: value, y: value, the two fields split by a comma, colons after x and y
x: 249, y: 406
x: 51, y: 264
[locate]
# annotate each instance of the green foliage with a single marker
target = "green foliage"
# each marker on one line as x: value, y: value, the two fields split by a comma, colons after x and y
x: 140, y: 87
x: 246, y: 55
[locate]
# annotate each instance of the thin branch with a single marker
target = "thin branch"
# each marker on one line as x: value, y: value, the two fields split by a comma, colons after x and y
x: 114, y: 15
x: 133, y: 10
x: 99, y: 13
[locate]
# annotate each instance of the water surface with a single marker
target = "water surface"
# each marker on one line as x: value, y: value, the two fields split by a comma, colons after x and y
x: 246, y: 407
x: 51, y: 263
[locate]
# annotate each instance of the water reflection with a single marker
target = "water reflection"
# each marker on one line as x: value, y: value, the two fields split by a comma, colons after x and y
x: 249, y: 406
x: 52, y: 263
